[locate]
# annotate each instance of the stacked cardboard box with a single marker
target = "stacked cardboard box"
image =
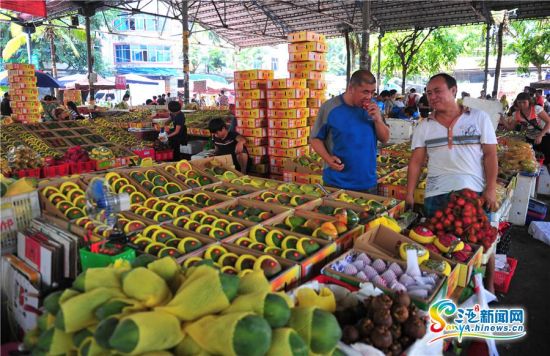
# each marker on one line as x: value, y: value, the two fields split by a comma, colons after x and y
x: 73, y: 95
x: 287, y: 116
x: 251, y: 113
x: 23, y: 92
x: 307, y: 60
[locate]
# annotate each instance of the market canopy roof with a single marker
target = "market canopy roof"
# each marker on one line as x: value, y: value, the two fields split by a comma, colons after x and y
x: 267, y: 22
x: 80, y: 82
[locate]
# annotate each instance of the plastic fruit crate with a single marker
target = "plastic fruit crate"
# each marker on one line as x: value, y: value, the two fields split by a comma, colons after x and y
x: 33, y: 173
x: 82, y: 167
x: 503, y: 278
x: 55, y: 171
x: 90, y: 259
x: 166, y: 155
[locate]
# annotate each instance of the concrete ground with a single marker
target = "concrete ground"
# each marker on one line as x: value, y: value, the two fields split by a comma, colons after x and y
x: 530, y: 289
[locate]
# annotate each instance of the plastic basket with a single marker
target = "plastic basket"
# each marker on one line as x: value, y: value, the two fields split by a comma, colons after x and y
x: 82, y: 167
x: 502, y: 279
x: 166, y: 155
x: 16, y: 214
x: 89, y: 259
x: 55, y: 171
x: 33, y: 173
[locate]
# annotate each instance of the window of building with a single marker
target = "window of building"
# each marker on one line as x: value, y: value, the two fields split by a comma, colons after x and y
x: 122, y: 53
x: 125, y: 53
x: 138, y: 22
x: 274, y: 63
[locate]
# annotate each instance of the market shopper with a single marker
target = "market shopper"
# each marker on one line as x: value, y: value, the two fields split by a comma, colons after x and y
x: 177, y: 134
x: 73, y: 111
x: 460, y: 144
x: 423, y: 105
x: 5, y: 109
x: 229, y: 142
x: 345, y: 134
x: 223, y: 100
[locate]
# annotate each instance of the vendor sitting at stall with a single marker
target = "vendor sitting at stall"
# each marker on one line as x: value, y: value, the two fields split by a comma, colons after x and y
x: 61, y: 114
x: 49, y: 104
x: 73, y: 111
x: 229, y: 142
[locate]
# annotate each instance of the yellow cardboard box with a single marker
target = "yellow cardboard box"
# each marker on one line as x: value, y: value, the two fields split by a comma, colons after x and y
x: 307, y: 66
x: 288, y: 113
x: 251, y: 123
x: 25, y: 92
x: 287, y: 93
x: 250, y: 113
x: 19, y: 66
x: 286, y: 103
x: 257, y: 150
x: 308, y: 75
x: 314, y: 103
x: 307, y: 56
x: 250, y: 94
x: 15, y: 97
x: 286, y: 123
x: 34, y: 110
x: 289, y: 152
x: 317, y: 94
x: 279, y: 142
x: 22, y: 79
x: 286, y: 83
x: 316, y: 84
x: 250, y: 103
x: 22, y: 72
x: 25, y: 104
x: 277, y: 161
x: 289, y: 133
x: 253, y: 74
x: 308, y: 46
x: 250, y: 84
x: 256, y: 141
x: 257, y: 132
x: 313, y: 112
x: 305, y: 36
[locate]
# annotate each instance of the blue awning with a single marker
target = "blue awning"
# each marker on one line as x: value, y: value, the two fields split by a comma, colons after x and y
x: 156, y: 73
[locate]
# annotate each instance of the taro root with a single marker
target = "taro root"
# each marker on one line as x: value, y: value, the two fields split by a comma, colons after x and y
x: 381, y: 302
x: 395, y: 330
x: 365, y: 327
x: 382, y: 317
x: 381, y: 337
x: 415, y: 328
x: 403, y: 298
x: 400, y: 313
x: 350, y: 334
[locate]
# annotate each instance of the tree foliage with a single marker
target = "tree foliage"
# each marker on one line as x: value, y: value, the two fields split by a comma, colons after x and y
x: 531, y: 44
x: 417, y: 52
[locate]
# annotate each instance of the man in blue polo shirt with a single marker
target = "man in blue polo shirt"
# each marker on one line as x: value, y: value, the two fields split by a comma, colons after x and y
x: 345, y: 135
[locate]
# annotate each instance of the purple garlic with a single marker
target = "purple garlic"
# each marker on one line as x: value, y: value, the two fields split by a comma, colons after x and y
x: 362, y: 275
x: 359, y: 264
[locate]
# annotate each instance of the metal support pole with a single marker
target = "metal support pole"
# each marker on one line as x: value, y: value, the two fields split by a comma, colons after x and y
x: 488, y: 30
x: 348, y: 58
x: 380, y: 35
x: 185, y: 39
x: 499, y: 57
x: 364, y: 61
x: 90, y: 58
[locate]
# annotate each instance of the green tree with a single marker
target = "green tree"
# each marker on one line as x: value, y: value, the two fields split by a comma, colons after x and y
x: 531, y: 44
x: 418, y: 52
x: 336, y: 56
